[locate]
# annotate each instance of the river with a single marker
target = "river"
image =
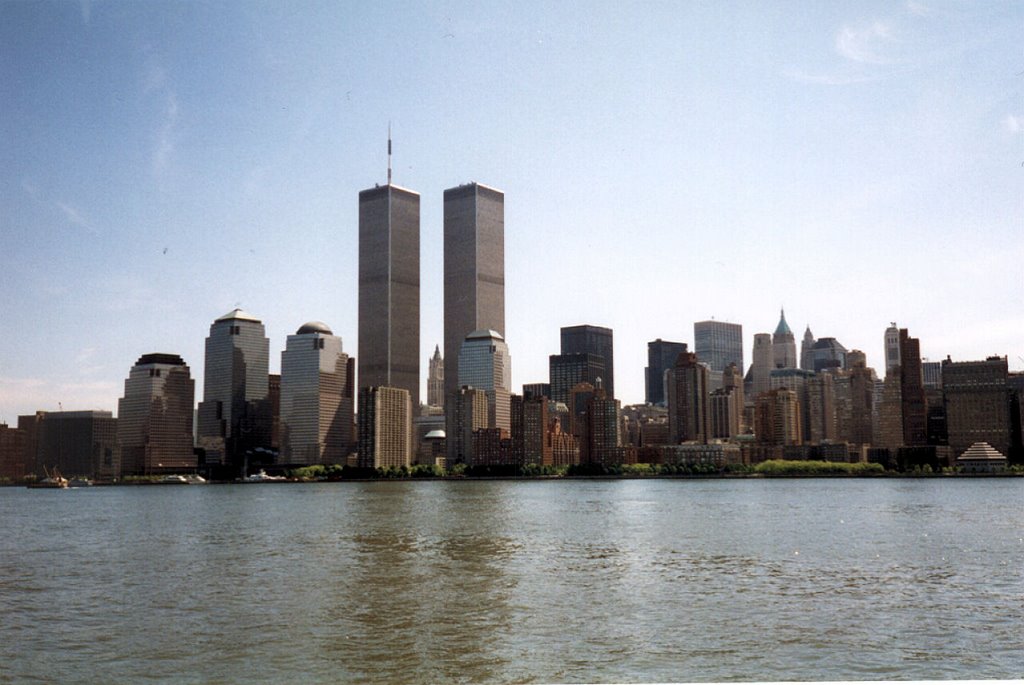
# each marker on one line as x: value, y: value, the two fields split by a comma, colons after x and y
x: 515, y: 581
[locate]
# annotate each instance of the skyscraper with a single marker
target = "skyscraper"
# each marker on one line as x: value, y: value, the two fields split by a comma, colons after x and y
x: 978, y: 402
x: 719, y: 344
x: 783, y: 345
x: 389, y: 289
x: 385, y: 427
x: 761, y: 366
x: 154, y: 418
x: 316, y: 398
x: 567, y: 370
x: 912, y: 401
x: 435, y: 379
x: 587, y: 339
x: 474, y: 269
x: 661, y: 356
x: 485, y: 364
x: 234, y: 415
x: 688, y: 417
x: 807, y: 351
x: 892, y: 348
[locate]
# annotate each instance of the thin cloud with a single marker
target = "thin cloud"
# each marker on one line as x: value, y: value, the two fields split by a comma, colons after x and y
x: 1013, y: 124
x: 165, y: 136
x: 865, y: 45
x: 829, y: 79
x: 76, y: 217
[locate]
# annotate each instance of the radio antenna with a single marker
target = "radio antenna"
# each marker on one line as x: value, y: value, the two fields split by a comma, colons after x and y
x: 389, y: 153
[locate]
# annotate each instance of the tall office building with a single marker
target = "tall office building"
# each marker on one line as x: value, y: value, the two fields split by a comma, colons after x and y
x: 316, y: 398
x: 234, y: 415
x: 807, y: 351
x: 978, y: 404
x: 567, y: 370
x: 485, y: 364
x: 389, y: 289
x: 435, y: 379
x: 661, y: 356
x: 777, y: 418
x: 385, y: 427
x: 597, y: 340
x: 761, y: 365
x: 474, y: 269
x: 912, y: 402
x: 892, y: 348
x: 688, y: 417
x: 467, y: 413
x: 76, y: 443
x: 783, y: 345
x: 154, y: 418
x: 719, y: 344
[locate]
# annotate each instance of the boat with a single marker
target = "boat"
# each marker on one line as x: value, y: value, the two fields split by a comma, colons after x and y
x: 262, y: 477
x: 52, y: 481
x: 80, y: 483
x: 173, y: 479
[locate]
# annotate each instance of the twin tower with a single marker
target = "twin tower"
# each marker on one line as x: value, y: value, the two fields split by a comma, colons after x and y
x: 389, y: 280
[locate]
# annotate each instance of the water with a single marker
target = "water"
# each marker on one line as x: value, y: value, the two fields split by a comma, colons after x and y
x: 515, y: 581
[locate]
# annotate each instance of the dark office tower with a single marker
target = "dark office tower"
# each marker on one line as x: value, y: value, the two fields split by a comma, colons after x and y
x: 389, y: 289
x: 661, y: 356
x: 76, y: 443
x: 828, y: 354
x: 13, y: 448
x: 532, y: 390
x: 807, y: 351
x: 688, y: 417
x: 783, y: 345
x: 978, y: 402
x: 567, y: 370
x: 718, y: 344
x: 474, y: 269
x: 915, y: 429
x: 435, y: 380
x: 234, y: 415
x: 154, y: 418
x: 597, y: 340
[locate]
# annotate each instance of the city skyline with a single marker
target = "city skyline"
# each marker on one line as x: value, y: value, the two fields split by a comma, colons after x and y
x: 167, y: 163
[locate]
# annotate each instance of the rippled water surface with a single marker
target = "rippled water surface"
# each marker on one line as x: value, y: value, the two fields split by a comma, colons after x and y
x: 515, y: 581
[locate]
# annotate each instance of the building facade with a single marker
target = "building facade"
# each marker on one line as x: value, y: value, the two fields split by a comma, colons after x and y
x: 978, y: 404
x: 593, y: 340
x: 718, y: 344
x: 783, y: 345
x: 385, y: 427
x: 474, y: 269
x: 568, y: 370
x: 688, y: 415
x: 485, y: 364
x: 389, y: 289
x: 154, y: 417
x: 316, y: 398
x: 661, y: 356
x: 435, y: 379
x: 234, y: 415
x: 76, y: 443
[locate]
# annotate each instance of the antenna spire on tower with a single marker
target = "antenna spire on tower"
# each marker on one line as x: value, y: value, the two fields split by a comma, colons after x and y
x: 389, y: 153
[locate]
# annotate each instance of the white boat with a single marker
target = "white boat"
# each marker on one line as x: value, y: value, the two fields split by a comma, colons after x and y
x: 262, y: 477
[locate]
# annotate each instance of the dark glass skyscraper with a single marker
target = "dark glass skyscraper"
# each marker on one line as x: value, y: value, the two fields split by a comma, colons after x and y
x: 587, y: 339
x: 661, y: 356
x: 234, y: 414
x: 389, y: 289
x: 474, y: 269
x: 718, y: 344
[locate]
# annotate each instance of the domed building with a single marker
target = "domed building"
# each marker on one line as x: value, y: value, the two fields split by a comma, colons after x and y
x: 317, y: 399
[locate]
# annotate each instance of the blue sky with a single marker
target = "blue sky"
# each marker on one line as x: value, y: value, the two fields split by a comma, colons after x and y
x: 663, y: 163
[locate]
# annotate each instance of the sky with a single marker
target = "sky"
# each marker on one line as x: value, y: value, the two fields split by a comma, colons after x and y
x: 162, y: 163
